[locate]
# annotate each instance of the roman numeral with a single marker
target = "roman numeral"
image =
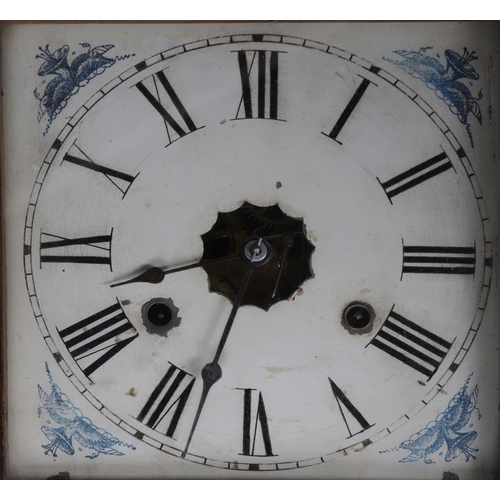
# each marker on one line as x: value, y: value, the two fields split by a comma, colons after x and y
x: 88, y: 250
x: 410, y: 343
x: 161, y: 95
x: 120, y: 180
x: 349, y: 411
x: 249, y: 433
x: 416, y: 175
x: 259, y: 84
x: 169, y: 393
x: 351, y: 106
x: 439, y: 260
x: 94, y: 340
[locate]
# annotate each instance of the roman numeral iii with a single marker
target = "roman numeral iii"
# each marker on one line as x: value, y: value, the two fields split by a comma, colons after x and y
x: 339, y: 125
x: 411, y: 344
x: 416, y: 175
x: 161, y: 95
x: 87, y: 250
x: 171, y: 394
x: 439, y: 260
x: 92, y: 341
x: 259, y: 84
x: 250, y: 437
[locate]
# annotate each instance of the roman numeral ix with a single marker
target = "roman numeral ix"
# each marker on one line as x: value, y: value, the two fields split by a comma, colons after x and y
x: 161, y: 95
x: 93, y: 341
x: 169, y: 393
x: 87, y: 250
x: 439, y: 260
x: 411, y: 344
x: 259, y: 84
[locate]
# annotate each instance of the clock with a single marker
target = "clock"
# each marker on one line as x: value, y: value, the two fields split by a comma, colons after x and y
x: 250, y: 251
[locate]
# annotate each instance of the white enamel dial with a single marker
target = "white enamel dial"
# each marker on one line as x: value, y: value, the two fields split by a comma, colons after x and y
x: 388, y: 200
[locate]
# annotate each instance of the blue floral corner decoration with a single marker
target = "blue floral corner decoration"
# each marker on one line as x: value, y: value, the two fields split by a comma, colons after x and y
x: 66, y: 422
x: 68, y: 78
x: 445, y: 81
x: 447, y: 429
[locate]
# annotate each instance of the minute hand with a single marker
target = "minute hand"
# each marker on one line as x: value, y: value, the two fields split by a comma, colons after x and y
x: 212, y: 372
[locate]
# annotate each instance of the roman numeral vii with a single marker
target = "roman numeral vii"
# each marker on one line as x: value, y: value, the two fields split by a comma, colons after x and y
x: 168, y: 399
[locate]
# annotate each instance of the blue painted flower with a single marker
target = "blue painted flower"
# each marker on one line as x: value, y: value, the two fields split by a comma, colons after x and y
x: 68, y: 78
x: 73, y: 425
x: 445, y: 81
x: 445, y: 429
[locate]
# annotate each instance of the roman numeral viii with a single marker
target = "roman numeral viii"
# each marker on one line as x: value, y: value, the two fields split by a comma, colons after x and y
x: 259, y: 84
x: 439, y: 260
x: 339, y: 125
x: 351, y: 415
x: 411, y: 344
x: 170, y: 392
x: 416, y: 175
x: 87, y: 250
x: 161, y: 95
x: 250, y: 429
x: 120, y: 180
x: 93, y: 341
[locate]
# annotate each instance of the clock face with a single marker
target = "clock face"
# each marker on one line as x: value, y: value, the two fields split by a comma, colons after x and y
x: 324, y: 207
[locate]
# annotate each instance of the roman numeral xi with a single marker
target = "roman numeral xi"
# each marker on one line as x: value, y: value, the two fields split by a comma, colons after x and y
x: 159, y: 92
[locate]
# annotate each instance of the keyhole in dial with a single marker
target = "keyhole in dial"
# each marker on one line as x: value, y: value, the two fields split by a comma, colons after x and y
x: 358, y: 317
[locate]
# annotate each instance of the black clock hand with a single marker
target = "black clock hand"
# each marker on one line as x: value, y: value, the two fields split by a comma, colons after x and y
x: 155, y: 274
x: 212, y: 372
x: 288, y: 240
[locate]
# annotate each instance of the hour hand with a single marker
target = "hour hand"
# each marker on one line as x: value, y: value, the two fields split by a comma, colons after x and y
x: 155, y: 275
